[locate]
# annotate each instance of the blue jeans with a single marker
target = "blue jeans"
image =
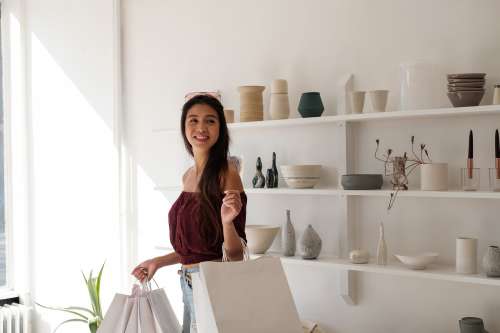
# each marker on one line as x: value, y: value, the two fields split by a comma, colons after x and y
x: 188, y: 321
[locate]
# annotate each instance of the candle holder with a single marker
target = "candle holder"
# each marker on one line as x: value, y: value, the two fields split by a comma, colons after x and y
x: 495, y: 179
x: 470, y: 179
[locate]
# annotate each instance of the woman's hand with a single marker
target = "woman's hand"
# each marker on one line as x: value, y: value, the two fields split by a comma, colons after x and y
x: 231, y: 206
x: 145, y: 270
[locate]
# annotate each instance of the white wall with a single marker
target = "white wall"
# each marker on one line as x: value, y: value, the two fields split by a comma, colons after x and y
x: 171, y: 48
x: 66, y: 62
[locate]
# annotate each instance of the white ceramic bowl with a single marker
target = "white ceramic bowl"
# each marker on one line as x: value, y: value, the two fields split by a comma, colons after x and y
x: 260, y: 237
x: 419, y: 261
x: 301, y: 176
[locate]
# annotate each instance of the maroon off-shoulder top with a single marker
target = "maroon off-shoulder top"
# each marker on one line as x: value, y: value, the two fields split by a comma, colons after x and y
x: 185, y: 235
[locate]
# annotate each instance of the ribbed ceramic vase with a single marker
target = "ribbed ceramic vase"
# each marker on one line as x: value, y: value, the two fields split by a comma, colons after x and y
x: 310, y: 105
x: 279, y: 107
x: 310, y: 243
x: 251, y: 104
x: 288, y: 240
x: 491, y: 261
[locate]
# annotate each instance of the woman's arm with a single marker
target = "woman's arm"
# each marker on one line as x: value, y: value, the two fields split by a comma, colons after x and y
x: 231, y: 207
x: 148, y: 268
x: 168, y: 259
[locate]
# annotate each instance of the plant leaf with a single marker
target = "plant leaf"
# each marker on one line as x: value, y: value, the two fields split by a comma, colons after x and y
x: 81, y: 309
x: 67, y: 310
x: 98, y: 291
x: 68, y: 321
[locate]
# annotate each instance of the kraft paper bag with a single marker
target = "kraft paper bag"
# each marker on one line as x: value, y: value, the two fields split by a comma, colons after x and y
x: 244, y: 297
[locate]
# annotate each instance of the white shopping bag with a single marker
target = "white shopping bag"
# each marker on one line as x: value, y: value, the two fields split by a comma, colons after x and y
x: 244, y: 297
x: 144, y: 311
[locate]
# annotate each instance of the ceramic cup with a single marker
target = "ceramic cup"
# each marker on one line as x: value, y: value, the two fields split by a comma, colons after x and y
x: 357, y: 101
x: 466, y: 255
x: 434, y: 177
x: 378, y: 99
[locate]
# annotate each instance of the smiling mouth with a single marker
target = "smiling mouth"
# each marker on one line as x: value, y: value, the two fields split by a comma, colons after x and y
x: 201, y: 138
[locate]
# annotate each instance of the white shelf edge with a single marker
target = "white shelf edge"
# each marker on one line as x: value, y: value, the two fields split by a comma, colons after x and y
x: 361, y: 193
x: 293, y: 191
x: 410, y: 114
x: 435, y: 272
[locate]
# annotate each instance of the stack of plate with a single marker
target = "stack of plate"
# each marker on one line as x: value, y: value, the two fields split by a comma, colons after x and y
x: 466, y: 89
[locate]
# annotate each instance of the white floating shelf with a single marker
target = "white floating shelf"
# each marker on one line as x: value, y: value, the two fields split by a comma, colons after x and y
x: 410, y: 114
x: 425, y: 194
x: 435, y: 272
x: 293, y: 191
x: 361, y: 193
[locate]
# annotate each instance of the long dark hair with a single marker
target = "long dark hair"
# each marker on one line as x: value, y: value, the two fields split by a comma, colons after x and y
x: 216, y: 166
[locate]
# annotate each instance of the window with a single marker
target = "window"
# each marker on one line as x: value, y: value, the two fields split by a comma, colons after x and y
x: 2, y: 187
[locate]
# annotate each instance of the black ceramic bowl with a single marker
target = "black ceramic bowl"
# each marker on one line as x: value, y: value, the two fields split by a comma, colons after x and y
x: 362, y: 182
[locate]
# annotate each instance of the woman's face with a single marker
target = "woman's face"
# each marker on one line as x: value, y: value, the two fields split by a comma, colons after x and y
x: 202, y: 127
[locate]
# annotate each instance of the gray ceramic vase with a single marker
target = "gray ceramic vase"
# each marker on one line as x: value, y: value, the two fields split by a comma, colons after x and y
x: 491, y: 262
x: 288, y: 240
x: 310, y: 243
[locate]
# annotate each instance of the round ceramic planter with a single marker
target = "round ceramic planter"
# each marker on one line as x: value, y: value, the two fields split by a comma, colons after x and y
x: 434, y: 177
x: 310, y: 105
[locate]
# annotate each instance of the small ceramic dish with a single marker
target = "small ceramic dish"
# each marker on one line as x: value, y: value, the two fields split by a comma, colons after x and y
x: 420, y: 261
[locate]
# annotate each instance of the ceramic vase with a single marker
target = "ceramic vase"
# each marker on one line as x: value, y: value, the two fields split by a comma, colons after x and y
x: 270, y: 178
x: 279, y: 107
x: 466, y: 255
x: 421, y: 86
x: 434, y: 177
x: 310, y: 243
x: 491, y: 261
x: 382, y: 247
x: 310, y: 105
x: 275, y: 171
x: 258, y: 181
x: 288, y: 240
x: 251, y: 104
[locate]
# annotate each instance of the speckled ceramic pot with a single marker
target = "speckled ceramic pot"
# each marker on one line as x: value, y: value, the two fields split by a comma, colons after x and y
x: 491, y: 261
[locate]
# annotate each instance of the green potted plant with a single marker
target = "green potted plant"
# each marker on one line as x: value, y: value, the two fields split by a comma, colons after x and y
x: 91, y: 317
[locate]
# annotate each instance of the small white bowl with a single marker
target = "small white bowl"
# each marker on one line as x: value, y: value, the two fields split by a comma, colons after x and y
x: 260, y: 237
x: 419, y: 261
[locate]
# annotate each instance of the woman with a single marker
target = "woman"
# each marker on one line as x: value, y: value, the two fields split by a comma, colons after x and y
x: 210, y: 212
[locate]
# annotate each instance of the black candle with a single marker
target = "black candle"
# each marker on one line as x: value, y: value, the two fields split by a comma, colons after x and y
x: 471, y: 146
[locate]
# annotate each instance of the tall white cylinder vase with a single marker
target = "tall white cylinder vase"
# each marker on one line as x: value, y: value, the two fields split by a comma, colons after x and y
x: 434, y: 177
x: 466, y: 256
x: 279, y: 107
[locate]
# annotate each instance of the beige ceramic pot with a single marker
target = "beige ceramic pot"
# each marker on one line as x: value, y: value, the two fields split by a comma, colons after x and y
x: 251, y: 103
x: 229, y: 115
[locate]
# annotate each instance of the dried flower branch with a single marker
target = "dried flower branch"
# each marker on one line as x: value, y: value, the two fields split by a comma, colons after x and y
x: 401, y: 166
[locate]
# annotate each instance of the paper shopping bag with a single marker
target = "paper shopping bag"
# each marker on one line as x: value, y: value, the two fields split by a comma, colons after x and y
x: 244, y: 297
x: 144, y: 311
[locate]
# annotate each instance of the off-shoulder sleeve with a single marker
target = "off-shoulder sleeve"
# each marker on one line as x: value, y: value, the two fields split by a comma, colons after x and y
x: 240, y: 220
